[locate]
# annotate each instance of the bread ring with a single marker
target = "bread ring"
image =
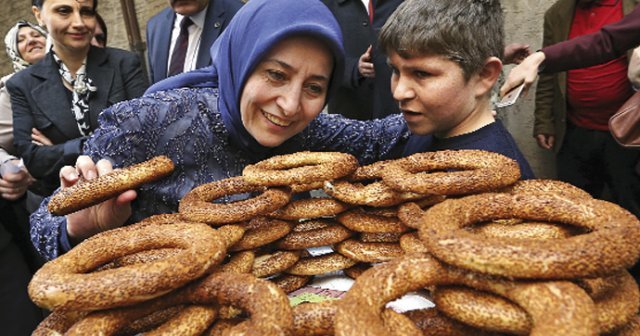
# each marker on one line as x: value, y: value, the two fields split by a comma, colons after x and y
x: 91, y: 192
x: 432, y: 322
x: 611, y: 244
x: 382, y: 237
x: 140, y: 258
x: 481, y: 310
x: 369, y: 252
x: 196, y: 204
x: 356, y: 270
x: 58, y: 322
x: 475, y: 171
x: 290, y: 282
x: 411, y: 243
x: 63, y: 282
x: 375, y: 194
x: 359, y: 310
x: 267, y: 305
x: 162, y: 219
x: 517, y: 229
x: 300, y: 168
x: 632, y: 328
x: 222, y: 325
x: 151, y: 321
x: 232, y: 234
x: 489, y: 312
x: 192, y: 320
x: 313, y: 318
x: 317, y: 318
x: 360, y: 221
x: 240, y: 262
x: 542, y: 186
x: 261, y: 231
x: 309, y: 208
x: 599, y: 287
x: 276, y: 262
x: 322, y: 264
x: 331, y: 233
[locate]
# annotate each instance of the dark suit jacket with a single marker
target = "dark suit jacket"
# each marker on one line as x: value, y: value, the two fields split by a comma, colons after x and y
x: 40, y: 100
x: 359, y: 97
x: 600, y: 47
x: 159, y: 28
x: 551, y: 104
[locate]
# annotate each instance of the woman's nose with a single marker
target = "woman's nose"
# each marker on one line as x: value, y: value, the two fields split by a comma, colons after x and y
x: 289, y: 100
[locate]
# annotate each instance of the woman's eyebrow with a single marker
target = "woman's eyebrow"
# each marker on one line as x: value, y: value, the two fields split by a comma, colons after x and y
x: 290, y: 68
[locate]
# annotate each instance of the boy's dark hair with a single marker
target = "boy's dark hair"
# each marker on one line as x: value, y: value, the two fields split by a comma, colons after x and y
x: 39, y: 3
x: 465, y: 31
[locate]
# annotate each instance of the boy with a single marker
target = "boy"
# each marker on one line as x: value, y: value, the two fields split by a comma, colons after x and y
x: 445, y: 58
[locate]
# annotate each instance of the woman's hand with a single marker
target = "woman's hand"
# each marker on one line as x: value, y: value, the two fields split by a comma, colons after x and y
x: 365, y: 66
x: 14, y: 184
x: 107, y: 215
x: 526, y: 72
x: 39, y: 139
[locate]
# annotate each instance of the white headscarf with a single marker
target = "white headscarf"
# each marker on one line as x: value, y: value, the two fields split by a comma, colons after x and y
x: 11, y: 44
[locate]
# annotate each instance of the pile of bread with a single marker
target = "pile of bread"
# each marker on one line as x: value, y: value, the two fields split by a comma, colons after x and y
x: 496, y: 254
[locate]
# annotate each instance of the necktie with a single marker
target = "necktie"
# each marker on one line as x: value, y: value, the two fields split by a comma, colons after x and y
x: 371, y: 11
x: 180, y: 49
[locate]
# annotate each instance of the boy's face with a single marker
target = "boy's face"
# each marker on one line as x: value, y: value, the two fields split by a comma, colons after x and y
x: 433, y: 95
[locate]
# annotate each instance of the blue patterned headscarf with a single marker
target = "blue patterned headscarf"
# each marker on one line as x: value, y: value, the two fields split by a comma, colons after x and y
x: 257, y: 27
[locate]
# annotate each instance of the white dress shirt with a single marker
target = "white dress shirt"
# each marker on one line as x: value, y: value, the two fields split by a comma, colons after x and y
x: 195, y: 32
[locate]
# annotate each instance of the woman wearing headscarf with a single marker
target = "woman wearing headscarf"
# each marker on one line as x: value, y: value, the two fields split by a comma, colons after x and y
x: 62, y: 95
x: 25, y: 45
x: 272, y: 72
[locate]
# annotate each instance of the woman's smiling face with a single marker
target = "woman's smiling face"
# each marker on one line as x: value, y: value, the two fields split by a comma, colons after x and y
x: 287, y: 90
x: 31, y: 44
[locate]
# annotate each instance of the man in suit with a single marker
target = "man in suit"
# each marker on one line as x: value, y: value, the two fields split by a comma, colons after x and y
x: 208, y: 18
x: 573, y: 107
x: 365, y: 92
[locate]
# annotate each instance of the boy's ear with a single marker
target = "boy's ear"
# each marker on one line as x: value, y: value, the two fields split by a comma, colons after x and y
x: 36, y: 12
x: 488, y: 75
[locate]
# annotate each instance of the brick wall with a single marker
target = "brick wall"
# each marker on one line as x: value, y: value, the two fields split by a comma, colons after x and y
x: 523, y: 24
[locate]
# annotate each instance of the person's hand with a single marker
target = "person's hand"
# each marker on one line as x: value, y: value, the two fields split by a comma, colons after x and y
x: 365, y: 66
x: 14, y: 184
x: 515, y: 53
x: 107, y: 215
x: 39, y: 139
x: 546, y: 141
x: 526, y: 72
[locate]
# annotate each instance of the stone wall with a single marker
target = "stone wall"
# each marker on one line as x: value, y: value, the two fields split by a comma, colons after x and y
x: 523, y: 24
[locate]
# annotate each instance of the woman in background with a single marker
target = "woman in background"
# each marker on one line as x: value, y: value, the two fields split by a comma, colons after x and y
x: 25, y: 45
x: 62, y: 95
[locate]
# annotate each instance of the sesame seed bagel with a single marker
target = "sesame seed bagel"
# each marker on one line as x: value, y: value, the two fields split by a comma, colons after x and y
x: 359, y: 311
x: 87, y: 193
x: 611, y: 244
x: 300, y: 168
x: 196, y: 204
x: 451, y: 172
x: 64, y: 283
